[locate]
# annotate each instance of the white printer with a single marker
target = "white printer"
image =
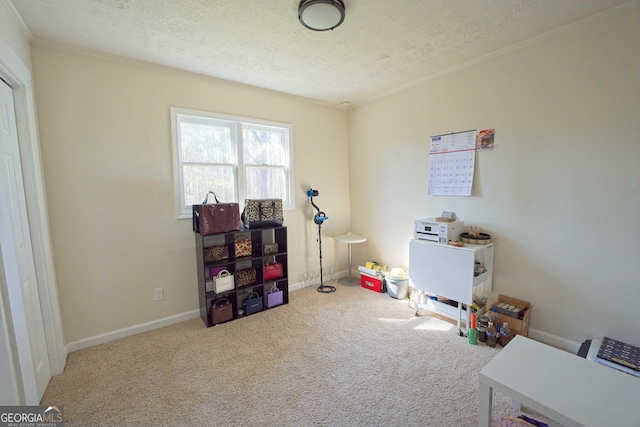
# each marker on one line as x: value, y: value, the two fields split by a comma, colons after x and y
x: 442, y: 232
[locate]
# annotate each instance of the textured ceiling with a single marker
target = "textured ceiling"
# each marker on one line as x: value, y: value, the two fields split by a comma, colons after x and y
x: 381, y: 46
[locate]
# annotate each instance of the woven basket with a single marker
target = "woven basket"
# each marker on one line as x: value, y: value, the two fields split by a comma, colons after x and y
x: 482, y: 239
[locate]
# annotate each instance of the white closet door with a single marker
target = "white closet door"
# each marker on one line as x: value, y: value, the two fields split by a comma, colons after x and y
x: 17, y: 250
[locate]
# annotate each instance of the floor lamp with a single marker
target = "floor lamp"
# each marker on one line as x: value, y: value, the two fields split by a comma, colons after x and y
x: 319, y: 218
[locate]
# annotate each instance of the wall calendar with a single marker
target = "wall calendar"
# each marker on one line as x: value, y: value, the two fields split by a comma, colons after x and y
x: 452, y: 160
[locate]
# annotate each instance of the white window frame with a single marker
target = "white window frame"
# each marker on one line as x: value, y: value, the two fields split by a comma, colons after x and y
x: 183, y: 211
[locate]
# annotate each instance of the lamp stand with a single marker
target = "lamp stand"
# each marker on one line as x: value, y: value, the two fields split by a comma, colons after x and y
x: 319, y: 218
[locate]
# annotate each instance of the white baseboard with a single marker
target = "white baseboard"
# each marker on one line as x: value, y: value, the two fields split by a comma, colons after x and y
x: 544, y: 337
x: 335, y: 276
x: 296, y: 286
x: 131, y: 330
x: 554, y: 340
x: 144, y: 327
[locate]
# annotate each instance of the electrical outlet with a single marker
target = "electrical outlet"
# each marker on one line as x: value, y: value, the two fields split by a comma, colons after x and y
x: 308, y: 263
x: 158, y: 294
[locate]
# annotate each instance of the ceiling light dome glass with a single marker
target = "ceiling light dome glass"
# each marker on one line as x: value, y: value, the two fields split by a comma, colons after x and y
x: 321, y: 15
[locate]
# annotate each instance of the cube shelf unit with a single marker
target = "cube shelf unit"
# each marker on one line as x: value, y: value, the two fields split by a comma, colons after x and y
x: 259, y: 238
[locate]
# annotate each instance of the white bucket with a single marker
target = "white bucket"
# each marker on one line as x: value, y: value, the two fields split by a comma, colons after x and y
x: 397, y: 288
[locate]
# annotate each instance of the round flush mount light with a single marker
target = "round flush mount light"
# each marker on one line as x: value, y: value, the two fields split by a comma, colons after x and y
x: 321, y: 15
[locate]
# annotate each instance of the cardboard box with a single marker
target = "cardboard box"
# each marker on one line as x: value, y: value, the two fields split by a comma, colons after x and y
x: 517, y: 326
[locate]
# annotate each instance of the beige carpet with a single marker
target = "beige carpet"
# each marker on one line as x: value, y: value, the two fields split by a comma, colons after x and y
x: 351, y: 358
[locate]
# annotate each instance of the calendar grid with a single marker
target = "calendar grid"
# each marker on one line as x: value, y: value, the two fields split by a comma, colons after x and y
x: 451, y: 164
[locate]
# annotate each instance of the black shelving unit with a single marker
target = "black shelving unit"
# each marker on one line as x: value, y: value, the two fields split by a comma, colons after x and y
x: 258, y: 258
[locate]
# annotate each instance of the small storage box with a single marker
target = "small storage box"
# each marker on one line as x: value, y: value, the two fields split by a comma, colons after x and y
x: 518, y: 325
x: 370, y: 282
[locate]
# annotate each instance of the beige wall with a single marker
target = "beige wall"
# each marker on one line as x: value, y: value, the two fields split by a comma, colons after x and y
x: 560, y: 194
x: 107, y: 157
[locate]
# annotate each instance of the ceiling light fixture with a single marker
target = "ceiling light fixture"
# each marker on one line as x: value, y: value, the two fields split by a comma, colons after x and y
x: 321, y: 15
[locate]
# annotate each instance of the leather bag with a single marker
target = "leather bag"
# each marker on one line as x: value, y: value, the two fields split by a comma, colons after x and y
x: 271, y: 248
x: 273, y: 271
x: 259, y: 213
x: 213, y: 271
x: 243, y: 246
x: 245, y: 276
x: 274, y: 297
x: 216, y: 253
x: 223, y: 282
x: 221, y: 311
x: 253, y: 304
x: 213, y: 218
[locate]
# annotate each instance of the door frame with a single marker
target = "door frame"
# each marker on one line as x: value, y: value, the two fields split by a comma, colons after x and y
x: 13, y: 71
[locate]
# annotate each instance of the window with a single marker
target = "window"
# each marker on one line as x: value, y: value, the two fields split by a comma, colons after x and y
x: 238, y: 158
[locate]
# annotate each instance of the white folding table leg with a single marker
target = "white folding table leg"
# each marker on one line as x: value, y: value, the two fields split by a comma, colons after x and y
x: 515, y: 404
x: 484, y: 406
x: 349, y: 250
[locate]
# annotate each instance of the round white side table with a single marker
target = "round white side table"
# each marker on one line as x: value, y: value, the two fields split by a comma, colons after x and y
x: 349, y: 239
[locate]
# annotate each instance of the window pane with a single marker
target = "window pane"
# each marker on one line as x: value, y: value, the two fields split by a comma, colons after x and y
x: 199, y: 180
x: 266, y: 183
x: 207, y: 146
x: 263, y: 146
x: 205, y: 143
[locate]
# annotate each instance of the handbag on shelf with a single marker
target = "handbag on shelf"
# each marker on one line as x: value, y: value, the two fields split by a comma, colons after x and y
x: 274, y: 297
x: 212, y: 218
x: 271, y: 248
x: 243, y: 246
x: 213, y: 271
x: 273, y: 271
x: 221, y: 311
x: 253, y: 304
x: 223, y: 282
x: 259, y: 213
x: 245, y: 276
x: 216, y: 253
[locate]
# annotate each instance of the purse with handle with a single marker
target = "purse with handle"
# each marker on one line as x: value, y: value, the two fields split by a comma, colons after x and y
x: 274, y: 297
x: 223, y: 282
x: 212, y: 218
x: 253, y: 304
x: 246, y: 276
x: 221, y: 311
x: 213, y: 271
x: 259, y: 213
x: 273, y: 271
x: 216, y: 253
x: 271, y: 248
x: 243, y: 246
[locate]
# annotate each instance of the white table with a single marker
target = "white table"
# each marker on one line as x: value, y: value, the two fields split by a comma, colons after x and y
x: 448, y: 271
x: 566, y: 388
x: 350, y: 239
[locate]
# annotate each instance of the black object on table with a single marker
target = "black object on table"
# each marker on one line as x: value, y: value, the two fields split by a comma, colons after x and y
x: 584, y: 349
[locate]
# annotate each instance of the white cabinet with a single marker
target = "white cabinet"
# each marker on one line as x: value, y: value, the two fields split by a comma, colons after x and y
x: 448, y: 271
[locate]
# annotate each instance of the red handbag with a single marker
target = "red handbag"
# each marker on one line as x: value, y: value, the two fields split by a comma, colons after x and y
x: 273, y: 271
